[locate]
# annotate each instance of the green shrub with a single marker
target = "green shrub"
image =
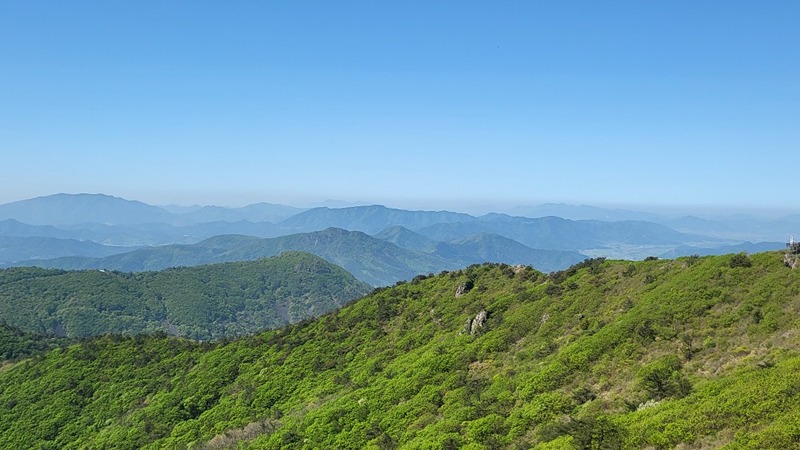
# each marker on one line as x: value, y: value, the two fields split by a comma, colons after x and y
x: 663, y: 378
x: 740, y: 260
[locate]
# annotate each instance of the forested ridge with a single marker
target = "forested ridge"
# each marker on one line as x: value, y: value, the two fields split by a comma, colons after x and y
x: 203, y: 302
x: 15, y: 343
x: 686, y: 353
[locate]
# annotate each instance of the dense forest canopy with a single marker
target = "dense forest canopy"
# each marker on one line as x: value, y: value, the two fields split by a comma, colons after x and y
x: 686, y: 353
x: 203, y: 302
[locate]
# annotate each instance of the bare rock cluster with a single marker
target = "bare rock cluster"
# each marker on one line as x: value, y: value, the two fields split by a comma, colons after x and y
x: 478, y: 322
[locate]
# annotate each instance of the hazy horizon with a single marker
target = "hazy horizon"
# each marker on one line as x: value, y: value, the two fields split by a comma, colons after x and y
x: 463, y: 106
x: 675, y: 211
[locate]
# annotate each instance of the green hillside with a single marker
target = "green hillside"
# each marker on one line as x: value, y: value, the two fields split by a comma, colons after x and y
x: 15, y: 343
x: 692, y: 353
x: 203, y: 302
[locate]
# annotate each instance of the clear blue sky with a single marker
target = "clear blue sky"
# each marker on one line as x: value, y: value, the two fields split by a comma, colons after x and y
x: 406, y: 103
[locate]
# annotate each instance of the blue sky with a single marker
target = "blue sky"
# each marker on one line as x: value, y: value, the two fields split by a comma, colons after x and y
x: 456, y: 105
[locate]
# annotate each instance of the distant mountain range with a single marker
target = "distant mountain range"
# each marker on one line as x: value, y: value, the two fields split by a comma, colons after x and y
x: 369, y: 259
x: 543, y: 233
x: 482, y: 248
x: 79, y: 209
x: 15, y: 248
x: 370, y: 219
x: 100, y: 231
x: 76, y: 209
x: 139, y: 235
x: 259, y: 212
x: 747, y: 247
x: 582, y: 212
x: 728, y: 227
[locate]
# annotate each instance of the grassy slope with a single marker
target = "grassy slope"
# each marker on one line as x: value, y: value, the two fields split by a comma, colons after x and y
x: 691, y: 353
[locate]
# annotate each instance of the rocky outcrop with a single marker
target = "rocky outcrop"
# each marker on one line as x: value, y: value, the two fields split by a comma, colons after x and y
x: 478, y: 322
x: 463, y: 288
x: 792, y: 256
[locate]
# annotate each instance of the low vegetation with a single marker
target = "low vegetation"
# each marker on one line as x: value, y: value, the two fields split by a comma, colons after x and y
x: 687, y: 353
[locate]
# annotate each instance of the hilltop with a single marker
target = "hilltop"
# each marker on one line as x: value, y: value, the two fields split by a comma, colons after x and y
x: 204, y: 302
x: 697, y: 352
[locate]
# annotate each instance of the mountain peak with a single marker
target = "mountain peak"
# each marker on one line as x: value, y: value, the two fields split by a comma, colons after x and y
x: 75, y: 209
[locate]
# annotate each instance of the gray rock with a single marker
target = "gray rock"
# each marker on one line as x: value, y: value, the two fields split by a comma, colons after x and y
x: 478, y: 322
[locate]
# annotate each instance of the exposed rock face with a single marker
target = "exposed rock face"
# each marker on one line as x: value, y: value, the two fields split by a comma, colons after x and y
x: 463, y: 288
x: 790, y: 261
x: 467, y: 325
x: 477, y: 322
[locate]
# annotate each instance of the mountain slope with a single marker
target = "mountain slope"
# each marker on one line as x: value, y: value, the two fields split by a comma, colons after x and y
x: 15, y: 228
x: 369, y: 219
x: 72, y: 209
x: 202, y: 302
x: 482, y: 248
x: 691, y: 353
x: 78, y: 209
x: 258, y: 212
x: 138, y: 234
x: 554, y: 233
x: 15, y: 343
x: 405, y: 238
x: 369, y: 259
x: 495, y: 248
x: 550, y: 233
x: 13, y: 249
